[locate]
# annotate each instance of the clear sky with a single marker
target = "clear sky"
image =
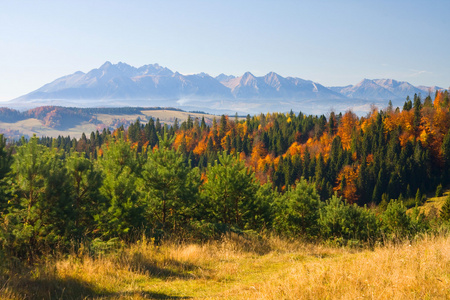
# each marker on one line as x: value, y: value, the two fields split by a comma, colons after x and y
x: 330, y: 42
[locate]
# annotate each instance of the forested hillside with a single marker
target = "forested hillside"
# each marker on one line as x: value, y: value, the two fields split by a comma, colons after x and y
x: 294, y: 175
x: 387, y: 154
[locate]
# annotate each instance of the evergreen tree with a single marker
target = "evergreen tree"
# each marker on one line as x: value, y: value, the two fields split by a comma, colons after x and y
x: 120, y: 165
x: 342, y: 221
x: 445, y: 210
x: 230, y: 191
x: 40, y: 215
x: 86, y: 181
x: 445, y: 148
x: 170, y: 188
x: 5, y: 166
x: 417, y: 109
x: 297, y: 211
x: 396, y: 223
x: 439, y: 191
x: 418, y: 198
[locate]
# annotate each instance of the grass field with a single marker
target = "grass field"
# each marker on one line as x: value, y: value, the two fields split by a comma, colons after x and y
x: 34, y: 126
x: 433, y: 205
x: 240, y: 268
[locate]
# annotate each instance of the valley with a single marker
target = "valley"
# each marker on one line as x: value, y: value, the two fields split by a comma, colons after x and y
x: 52, y: 121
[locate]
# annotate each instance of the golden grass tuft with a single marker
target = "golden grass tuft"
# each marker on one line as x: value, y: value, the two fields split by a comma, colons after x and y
x: 419, y: 271
x: 241, y: 268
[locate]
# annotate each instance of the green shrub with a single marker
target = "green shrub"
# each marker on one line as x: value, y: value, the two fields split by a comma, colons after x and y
x: 340, y: 220
x: 297, y: 211
x: 396, y: 224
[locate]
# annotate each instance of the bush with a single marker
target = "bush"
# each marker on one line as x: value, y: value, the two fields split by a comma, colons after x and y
x: 395, y: 222
x: 345, y: 222
x: 297, y: 211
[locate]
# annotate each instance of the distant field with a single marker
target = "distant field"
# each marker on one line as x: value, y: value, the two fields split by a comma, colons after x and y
x: 32, y: 126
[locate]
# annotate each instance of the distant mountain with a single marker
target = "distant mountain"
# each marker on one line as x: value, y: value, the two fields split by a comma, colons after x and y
x: 222, y: 77
x: 382, y: 89
x: 120, y: 84
x: 401, y: 89
x: 122, y: 81
x: 367, y: 89
x: 429, y: 89
x: 274, y: 86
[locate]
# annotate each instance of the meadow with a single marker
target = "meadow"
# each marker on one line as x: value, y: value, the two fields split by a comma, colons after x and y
x: 42, y: 125
x: 240, y: 267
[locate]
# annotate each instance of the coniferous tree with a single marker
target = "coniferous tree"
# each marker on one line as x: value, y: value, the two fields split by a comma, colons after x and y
x: 439, y: 191
x: 445, y: 148
x: 342, y: 221
x: 444, y: 214
x: 120, y: 165
x: 86, y: 181
x: 6, y: 160
x: 297, y: 211
x: 170, y: 187
x: 40, y: 215
x: 230, y: 191
x: 396, y: 223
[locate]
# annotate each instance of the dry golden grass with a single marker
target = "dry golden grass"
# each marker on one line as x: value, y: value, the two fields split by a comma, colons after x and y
x: 433, y: 206
x: 239, y: 268
x: 34, y: 126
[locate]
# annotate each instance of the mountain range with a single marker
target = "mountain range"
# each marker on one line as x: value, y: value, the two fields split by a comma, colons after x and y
x: 153, y: 85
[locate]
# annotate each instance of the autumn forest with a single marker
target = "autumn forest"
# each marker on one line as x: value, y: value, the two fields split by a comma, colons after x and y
x: 286, y: 173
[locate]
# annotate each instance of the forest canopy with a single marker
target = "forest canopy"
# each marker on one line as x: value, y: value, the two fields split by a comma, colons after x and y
x: 297, y: 175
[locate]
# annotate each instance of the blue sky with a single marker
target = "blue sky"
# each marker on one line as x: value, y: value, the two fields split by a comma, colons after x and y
x: 330, y: 42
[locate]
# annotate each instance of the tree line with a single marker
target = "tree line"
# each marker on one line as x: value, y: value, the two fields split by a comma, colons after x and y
x: 388, y: 154
x: 296, y: 175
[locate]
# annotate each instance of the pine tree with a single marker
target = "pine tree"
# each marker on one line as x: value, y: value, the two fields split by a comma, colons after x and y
x: 417, y: 109
x: 445, y: 147
x: 86, y: 181
x: 230, y: 189
x: 5, y: 166
x: 445, y: 210
x: 170, y: 187
x: 438, y: 191
x: 122, y: 212
x: 222, y: 126
x: 418, y: 198
x: 297, y: 211
x: 396, y: 222
x: 41, y: 214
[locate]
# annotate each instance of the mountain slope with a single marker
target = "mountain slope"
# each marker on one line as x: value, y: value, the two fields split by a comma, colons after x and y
x: 367, y: 89
x: 122, y: 81
x: 401, y: 89
x: 274, y: 86
x: 118, y: 85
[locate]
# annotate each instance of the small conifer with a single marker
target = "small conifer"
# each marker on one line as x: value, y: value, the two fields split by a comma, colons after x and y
x: 445, y: 210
